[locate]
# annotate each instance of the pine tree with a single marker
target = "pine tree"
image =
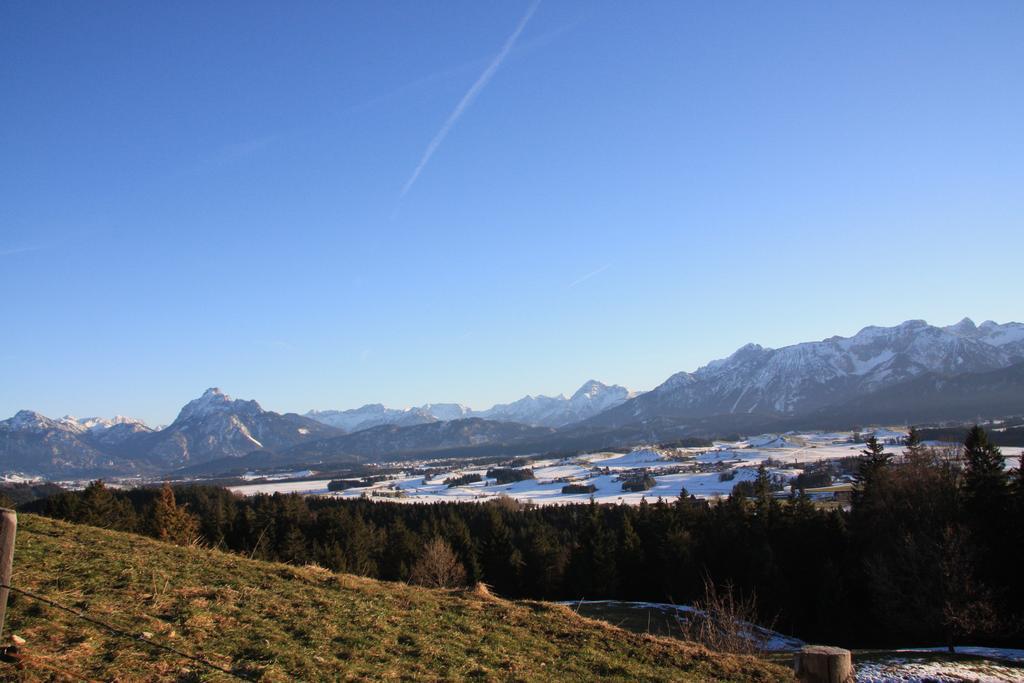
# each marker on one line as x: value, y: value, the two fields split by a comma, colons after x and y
x: 873, y: 461
x: 631, y: 558
x: 985, y: 478
x: 1018, y: 484
x: 913, y: 445
x: 874, y: 451
x: 173, y: 523
x: 400, y: 551
x: 100, y: 507
x: 763, y: 490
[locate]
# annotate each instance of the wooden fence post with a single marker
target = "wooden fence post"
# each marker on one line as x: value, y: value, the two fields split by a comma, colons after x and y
x: 8, y: 527
x: 822, y: 664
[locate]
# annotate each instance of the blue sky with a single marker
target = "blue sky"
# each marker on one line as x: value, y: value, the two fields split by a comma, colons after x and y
x: 200, y: 194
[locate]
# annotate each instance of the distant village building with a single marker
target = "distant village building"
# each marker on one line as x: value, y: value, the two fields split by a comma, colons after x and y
x: 839, y: 493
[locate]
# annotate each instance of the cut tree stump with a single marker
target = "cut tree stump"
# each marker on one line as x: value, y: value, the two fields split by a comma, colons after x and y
x: 823, y: 664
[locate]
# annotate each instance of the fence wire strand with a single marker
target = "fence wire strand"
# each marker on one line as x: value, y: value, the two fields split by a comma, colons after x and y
x: 122, y: 633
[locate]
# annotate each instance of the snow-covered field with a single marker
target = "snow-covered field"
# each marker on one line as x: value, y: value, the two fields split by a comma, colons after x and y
x: 279, y: 476
x: 651, y: 617
x: 990, y: 665
x: 919, y: 665
x: 702, y: 472
x: 311, y: 487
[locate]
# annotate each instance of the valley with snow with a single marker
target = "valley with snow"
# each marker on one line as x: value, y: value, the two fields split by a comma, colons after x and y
x: 911, y: 373
x: 704, y: 472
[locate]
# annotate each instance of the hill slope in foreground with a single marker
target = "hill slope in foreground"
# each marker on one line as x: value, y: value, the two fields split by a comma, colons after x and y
x: 275, y: 622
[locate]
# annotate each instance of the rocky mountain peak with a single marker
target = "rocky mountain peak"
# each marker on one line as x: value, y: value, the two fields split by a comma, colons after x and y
x: 29, y: 420
x: 213, y: 402
x: 590, y: 389
x: 965, y: 326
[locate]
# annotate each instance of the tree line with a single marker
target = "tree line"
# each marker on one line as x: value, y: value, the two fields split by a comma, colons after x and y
x: 928, y: 553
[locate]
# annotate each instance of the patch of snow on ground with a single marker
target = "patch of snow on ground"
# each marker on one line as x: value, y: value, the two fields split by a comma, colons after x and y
x: 1003, y: 653
x: 276, y: 477
x: 317, y: 486
x: 643, y: 456
x: 770, y: 641
x: 897, y: 668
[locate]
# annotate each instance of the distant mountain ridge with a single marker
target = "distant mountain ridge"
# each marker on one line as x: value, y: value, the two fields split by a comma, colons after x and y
x: 590, y: 399
x: 909, y: 372
x: 33, y: 443
x: 209, y: 427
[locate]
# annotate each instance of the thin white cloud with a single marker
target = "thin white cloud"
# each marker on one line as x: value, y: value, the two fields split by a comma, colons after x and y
x: 468, y: 98
x: 18, y: 250
x: 279, y: 344
x: 590, y: 275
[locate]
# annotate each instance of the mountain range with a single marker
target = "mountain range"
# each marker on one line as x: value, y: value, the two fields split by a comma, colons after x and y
x: 537, y: 411
x: 912, y: 372
x: 803, y: 379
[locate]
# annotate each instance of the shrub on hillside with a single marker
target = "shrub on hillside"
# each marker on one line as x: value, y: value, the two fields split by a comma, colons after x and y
x: 438, y: 566
x: 724, y: 621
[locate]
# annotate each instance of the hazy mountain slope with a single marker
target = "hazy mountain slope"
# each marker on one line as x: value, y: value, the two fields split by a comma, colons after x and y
x: 275, y: 622
x: 371, y: 415
x: 930, y: 398
x: 547, y: 411
x: 391, y: 440
x: 556, y: 411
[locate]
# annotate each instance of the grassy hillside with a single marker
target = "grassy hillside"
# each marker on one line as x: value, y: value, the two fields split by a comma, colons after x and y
x: 276, y: 622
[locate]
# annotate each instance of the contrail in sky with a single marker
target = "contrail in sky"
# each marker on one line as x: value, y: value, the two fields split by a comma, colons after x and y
x: 468, y: 98
x: 590, y: 275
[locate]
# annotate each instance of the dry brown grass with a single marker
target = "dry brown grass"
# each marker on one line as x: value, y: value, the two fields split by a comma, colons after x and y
x: 275, y: 622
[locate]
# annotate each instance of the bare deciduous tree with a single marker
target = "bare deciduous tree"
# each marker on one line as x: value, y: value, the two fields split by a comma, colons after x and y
x: 438, y: 566
x: 967, y: 606
x: 725, y: 621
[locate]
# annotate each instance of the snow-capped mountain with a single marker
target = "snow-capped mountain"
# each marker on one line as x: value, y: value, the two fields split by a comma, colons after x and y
x: 371, y: 415
x: 446, y: 412
x: 97, y: 425
x: 557, y: 411
x: 540, y: 411
x: 594, y: 397
x: 805, y: 377
x: 531, y: 410
x: 106, y: 431
x: 31, y: 442
x: 216, y: 425
x: 212, y: 426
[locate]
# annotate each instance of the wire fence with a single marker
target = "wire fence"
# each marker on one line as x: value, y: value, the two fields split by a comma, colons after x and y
x: 135, y: 638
